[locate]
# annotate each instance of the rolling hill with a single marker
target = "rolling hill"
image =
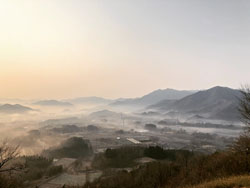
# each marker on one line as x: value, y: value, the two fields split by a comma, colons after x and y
x: 89, y: 100
x: 52, y: 103
x: 14, y: 109
x: 217, y: 103
x: 154, y: 97
x: 105, y: 114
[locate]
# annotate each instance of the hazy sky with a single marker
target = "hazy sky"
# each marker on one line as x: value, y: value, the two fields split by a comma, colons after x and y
x: 121, y: 48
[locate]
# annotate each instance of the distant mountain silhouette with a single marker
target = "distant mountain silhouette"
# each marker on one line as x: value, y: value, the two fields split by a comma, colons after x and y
x: 89, y: 100
x: 162, y: 105
x: 105, y: 113
x: 154, y: 97
x: 62, y: 121
x: 217, y: 102
x: 52, y: 103
x: 14, y: 109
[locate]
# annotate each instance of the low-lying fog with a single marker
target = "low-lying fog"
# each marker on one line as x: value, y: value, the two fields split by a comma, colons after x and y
x: 46, y: 126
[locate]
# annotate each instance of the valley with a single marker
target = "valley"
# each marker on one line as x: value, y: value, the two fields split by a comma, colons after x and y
x: 60, y: 130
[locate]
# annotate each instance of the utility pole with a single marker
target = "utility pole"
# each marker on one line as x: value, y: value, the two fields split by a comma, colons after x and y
x: 122, y: 118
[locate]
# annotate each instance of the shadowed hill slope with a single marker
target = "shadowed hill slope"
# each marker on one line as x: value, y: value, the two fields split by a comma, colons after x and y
x: 217, y: 102
x: 154, y: 97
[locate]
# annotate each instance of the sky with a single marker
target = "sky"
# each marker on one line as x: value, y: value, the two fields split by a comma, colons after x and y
x: 126, y: 48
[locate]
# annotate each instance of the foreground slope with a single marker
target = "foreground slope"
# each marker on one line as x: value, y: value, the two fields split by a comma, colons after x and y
x: 231, y: 182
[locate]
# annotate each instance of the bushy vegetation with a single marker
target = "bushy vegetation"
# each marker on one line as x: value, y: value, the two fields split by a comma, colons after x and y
x: 74, y: 147
x: 54, y: 170
x: 126, y: 156
x: 178, y: 169
x: 231, y: 182
x: 7, y: 181
x: 118, y: 158
x: 34, y: 168
x: 92, y: 128
x: 37, y: 167
x: 150, y: 127
x: 157, y: 152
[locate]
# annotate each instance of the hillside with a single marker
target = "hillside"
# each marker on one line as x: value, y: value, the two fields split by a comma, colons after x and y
x: 217, y: 103
x: 162, y: 105
x: 231, y: 182
x: 52, y: 103
x: 14, y: 108
x: 104, y: 114
x: 154, y: 97
x: 73, y: 147
x: 89, y: 100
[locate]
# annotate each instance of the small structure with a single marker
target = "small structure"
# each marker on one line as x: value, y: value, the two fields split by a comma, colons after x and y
x: 145, y: 160
x: 64, y: 162
x: 134, y: 141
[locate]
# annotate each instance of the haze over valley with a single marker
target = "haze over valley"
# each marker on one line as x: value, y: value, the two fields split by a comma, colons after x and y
x: 124, y: 94
x: 212, y: 111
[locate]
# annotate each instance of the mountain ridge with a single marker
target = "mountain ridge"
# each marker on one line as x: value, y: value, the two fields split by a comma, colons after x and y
x: 217, y: 102
x: 14, y: 108
x: 52, y: 103
x: 89, y: 100
x: 154, y: 97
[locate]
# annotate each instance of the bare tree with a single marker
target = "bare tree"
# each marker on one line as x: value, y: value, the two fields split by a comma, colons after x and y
x: 244, y: 107
x: 7, y: 153
x: 242, y: 144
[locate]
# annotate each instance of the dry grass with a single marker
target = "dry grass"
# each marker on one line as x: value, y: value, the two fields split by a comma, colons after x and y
x: 232, y: 182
